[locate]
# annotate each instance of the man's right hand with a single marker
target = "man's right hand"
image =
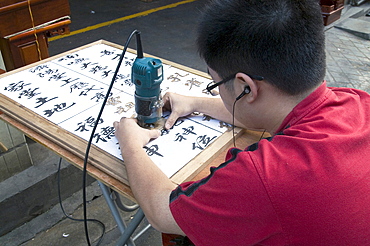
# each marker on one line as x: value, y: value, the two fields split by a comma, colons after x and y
x: 179, y: 105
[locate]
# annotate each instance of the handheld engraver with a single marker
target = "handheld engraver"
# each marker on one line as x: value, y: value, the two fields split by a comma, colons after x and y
x: 147, y: 75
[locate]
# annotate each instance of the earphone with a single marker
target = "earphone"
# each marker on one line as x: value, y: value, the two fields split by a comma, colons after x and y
x: 247, y: 90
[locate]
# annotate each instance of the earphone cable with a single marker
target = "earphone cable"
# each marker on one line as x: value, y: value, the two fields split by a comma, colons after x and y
x: 233, y: 125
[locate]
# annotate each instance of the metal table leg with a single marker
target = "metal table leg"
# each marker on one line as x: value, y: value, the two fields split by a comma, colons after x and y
x: 125, y: 231
x: 139, y: 216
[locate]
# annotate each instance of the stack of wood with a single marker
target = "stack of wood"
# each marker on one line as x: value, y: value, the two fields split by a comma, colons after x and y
x: 331, y: 10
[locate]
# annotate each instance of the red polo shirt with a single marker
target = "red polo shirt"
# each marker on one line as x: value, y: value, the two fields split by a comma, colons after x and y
x: 309, y: 184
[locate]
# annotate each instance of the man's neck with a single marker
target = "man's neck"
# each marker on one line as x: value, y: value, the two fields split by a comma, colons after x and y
x: 277, y: 108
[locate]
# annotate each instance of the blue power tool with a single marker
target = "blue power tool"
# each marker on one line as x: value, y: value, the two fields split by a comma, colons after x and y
x: 147, y: 75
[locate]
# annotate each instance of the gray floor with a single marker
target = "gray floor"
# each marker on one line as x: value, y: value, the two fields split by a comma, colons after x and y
x: 167, y: 33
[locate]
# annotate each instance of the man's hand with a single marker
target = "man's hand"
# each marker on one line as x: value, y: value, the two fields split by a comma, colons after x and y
x: 131, y: 136
x: 179, y: 106
x: 151, y: 187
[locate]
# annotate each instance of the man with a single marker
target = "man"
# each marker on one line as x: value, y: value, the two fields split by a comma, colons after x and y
x: 308, y: 184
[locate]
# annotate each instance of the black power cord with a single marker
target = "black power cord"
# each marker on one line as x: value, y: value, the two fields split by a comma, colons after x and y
x: 69, y: 217
x: 94, y: 129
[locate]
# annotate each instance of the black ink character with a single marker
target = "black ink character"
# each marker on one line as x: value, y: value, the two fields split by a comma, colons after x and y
x: 86, y: 90
x: 179, y: 137
x: 202, y: 142
x: 89, y: 122
x: 38, y: 68
x: 78, y: 86
x: 57, y: 76
x: 106, y: 53
x: 106, y: 133
x: 97, y: 69
x: 106, y: 73
x: 16, y: 86
x: 57, y: 108
x: 152, y: 150
x: 67, y: 81
x: 29, y: 93
x: 99, y: 96
x: 189, y: 130
x: 43, y: 100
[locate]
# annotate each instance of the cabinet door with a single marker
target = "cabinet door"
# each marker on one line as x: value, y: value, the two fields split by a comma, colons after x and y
x: 26, y: 50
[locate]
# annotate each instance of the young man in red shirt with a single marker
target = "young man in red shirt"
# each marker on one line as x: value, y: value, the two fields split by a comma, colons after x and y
x: 309, y: 183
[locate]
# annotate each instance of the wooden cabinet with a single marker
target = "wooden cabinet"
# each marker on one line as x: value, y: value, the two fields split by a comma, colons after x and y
x: 26, y: 25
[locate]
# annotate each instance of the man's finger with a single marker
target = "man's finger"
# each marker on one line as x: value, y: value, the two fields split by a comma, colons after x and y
x: 155, y: 134
x: 171, y: 120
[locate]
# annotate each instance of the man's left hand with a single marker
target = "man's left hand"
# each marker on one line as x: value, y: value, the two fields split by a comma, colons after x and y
x: 131, y: 136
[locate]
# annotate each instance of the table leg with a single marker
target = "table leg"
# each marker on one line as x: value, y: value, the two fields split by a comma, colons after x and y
x: 117, y: 217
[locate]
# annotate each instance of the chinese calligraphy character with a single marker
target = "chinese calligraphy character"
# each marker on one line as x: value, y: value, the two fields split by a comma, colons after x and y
x: 175, y: 78
x: 113, y: 101
x: 106, y: 52
x: 153, y: 150
x: 16, y: 86
x: 57, y: 108
x: 202, y: 142
x: 29, y: 93
x: 126, y: 108
x: 38, y: 68
x: 89, y: 122
x: 106, y: 133
x: 43, y: 100
x: 57, y: 76
x: 192, y: 82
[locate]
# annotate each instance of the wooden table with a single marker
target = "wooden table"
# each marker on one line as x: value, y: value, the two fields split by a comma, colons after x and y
x: 213, y: 155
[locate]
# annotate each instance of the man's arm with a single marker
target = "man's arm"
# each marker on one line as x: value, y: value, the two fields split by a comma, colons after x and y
x: 151, y: 187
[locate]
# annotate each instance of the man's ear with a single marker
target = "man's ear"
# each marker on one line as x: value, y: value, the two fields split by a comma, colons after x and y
x: 242, y: 81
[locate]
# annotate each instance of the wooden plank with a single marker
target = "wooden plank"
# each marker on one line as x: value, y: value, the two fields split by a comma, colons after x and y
x: 3, y: 148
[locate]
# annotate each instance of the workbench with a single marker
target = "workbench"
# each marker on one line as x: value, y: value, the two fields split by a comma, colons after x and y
x: 105, y: 167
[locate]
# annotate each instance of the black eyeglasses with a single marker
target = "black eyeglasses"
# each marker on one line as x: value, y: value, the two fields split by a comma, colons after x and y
x: 213, y: 84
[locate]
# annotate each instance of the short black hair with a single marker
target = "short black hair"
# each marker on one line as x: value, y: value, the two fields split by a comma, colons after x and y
x: 281, y: 40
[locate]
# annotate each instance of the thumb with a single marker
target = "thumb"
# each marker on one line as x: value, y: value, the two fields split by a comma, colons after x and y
x: 171, y: 120
x: 155, y: 134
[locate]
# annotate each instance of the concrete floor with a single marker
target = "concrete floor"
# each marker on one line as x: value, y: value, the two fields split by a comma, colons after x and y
x: 168, y: 33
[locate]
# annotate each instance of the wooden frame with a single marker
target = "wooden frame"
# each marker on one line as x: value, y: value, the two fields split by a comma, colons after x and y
x: 103, y: 166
